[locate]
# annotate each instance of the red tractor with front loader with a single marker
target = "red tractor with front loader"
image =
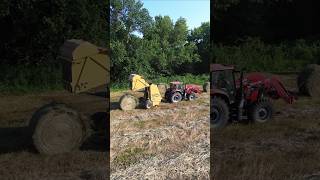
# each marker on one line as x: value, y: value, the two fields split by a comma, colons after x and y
x: 178, y: 91
x: 246, y: 98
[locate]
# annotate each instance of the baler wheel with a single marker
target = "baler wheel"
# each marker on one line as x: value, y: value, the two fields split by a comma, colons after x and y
x: 56, y: 129
x: 148, y: 104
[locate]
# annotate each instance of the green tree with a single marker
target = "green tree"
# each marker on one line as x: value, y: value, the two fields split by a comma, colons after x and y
x: 201, y: 37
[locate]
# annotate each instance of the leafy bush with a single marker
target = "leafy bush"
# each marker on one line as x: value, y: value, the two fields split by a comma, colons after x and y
x: 21, y: 79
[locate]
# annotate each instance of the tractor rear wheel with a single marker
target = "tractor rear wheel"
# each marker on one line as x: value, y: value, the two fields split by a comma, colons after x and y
x: 261, y: 112
x: 176, y: 97
x: 219, y: 115
x: 128, y: 102
x: 56, y: 129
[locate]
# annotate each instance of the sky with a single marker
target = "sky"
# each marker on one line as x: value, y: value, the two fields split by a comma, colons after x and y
x: 194, y: 11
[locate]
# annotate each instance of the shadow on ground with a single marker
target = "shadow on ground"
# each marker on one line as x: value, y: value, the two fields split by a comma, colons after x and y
x: 15, y: 139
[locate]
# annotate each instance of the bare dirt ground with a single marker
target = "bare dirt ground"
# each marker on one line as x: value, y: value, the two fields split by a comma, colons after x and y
x: 171, y: 141
x: 288, y: 147
x: 18, y: 158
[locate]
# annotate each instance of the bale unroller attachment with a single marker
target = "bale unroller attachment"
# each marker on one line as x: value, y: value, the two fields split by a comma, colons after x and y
x: 308, y: 81
x: 57, y: 129
x: 128, y: 102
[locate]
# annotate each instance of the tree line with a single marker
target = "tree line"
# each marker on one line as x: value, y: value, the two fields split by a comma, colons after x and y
x: 32, y: 32
x: 155, y: 46
x: 267, y: 35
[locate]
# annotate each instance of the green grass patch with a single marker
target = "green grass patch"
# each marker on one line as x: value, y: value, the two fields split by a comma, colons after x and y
x: 129, y: 156
x: 140, y: 124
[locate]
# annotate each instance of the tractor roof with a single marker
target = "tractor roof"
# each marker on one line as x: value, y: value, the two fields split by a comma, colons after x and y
x: 220, y: 67
x: 175, y: 82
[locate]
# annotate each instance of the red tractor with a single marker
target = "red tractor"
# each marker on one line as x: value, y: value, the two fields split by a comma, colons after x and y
x: 178, y: 91
x: 247, y: 98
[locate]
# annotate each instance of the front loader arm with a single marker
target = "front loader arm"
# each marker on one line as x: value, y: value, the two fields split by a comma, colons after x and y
x: 275, y: 85
x: 271, y: 85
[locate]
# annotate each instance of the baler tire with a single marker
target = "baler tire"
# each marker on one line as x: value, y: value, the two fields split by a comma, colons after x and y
x: 219, y: 113
x: 261, y: 111
x: 128, y: 102
x: 148, y: 104
x: 57, y: 129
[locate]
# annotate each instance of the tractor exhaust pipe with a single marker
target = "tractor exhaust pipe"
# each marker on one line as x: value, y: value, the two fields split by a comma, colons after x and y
x: 241, y: 97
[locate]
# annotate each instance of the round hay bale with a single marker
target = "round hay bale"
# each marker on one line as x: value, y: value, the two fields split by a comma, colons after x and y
x: 308, y: 81
x: 206, y: 87
x: 128, y: 102
x: 57, y: 129
x: 162, y: 88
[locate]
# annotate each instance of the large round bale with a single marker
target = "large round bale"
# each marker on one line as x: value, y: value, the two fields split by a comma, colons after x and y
x: 128, y: 102
x: 162, y: 88
x: 206, y: 87
x: 57, y: 129
x: 308, y: 81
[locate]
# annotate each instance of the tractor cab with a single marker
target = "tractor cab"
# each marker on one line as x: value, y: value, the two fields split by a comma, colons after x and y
x: 223, y: 81
x: 176, y: 85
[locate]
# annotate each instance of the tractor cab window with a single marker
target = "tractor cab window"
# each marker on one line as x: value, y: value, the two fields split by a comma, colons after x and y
x: 176, y: 86
x: 223, y: 80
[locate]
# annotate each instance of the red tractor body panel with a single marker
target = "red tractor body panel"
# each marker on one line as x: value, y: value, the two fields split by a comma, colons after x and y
x: 192, y: 88
x: 270, y: 84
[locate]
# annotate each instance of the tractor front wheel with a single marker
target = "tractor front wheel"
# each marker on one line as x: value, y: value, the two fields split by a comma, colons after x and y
x: 219, y: 115
x: 261, y: 112
x: 176, y: 97
x: 191, y: 97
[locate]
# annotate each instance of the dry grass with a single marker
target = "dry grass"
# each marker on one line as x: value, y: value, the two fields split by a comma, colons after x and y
x: 166, y: 142
x: 285, y: 148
